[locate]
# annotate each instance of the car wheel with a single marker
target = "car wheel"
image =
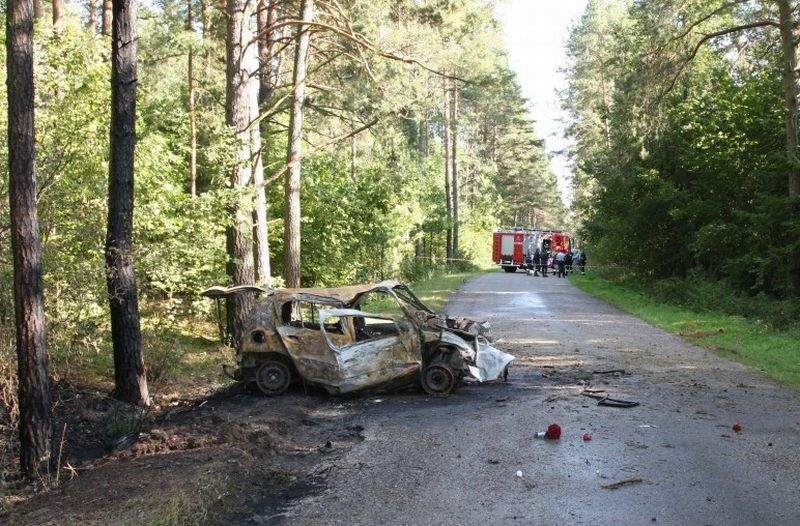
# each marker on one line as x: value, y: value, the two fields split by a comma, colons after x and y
x: 273, y: 377
x: 438, y: 379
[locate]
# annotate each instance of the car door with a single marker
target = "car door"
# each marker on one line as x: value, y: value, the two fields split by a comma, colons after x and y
x: 383, y: 351
x: 301, y: 333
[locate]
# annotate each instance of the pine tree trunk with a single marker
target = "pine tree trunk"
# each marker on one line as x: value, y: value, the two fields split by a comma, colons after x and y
x: 108, y: 10
x: 35, y: 426
x: 129, y: 375
x: 242, y: 62
x: 291, y: 245
x: 454, y: 169
x: 58, y: 7
x: 262, y: 271
x: 192, y: 116
x: 267, y: 15
x: 205, y: 13
x: 448, y: 169
x: 269, y: 59
x: 91, y: 20
x: 791, y: 81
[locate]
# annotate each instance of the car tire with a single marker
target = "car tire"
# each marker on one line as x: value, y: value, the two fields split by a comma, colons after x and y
x: 273, y: 377
x: 438, y: 379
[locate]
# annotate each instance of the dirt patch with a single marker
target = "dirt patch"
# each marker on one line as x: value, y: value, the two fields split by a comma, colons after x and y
x: 210, y: 460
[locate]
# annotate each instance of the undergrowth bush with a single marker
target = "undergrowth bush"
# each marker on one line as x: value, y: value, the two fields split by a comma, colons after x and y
x: 163, y: 353
x: 699, y: 292
x: 9, y: 408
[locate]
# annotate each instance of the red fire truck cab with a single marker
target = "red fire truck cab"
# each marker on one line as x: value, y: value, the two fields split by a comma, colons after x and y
x: 513, y: 248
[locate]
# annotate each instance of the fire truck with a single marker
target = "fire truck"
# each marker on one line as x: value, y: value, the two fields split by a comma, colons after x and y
x: 513, y: 248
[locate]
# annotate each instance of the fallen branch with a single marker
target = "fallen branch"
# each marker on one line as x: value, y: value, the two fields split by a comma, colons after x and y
x: 615, y: 485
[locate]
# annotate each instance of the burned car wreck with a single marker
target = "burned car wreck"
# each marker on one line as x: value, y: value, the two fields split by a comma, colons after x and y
x: 363, y: 337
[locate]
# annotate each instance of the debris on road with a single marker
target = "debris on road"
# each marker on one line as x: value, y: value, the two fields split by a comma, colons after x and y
x: 737, y: 427
x: 528, y: 484
x: 612, y: 371
x: 619, y: 484
x: 553, y: 432
x: 587, y: 437
x: 606, y: 400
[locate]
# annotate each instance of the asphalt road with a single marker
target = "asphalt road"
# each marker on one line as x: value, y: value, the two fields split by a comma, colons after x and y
x: 456, y: 460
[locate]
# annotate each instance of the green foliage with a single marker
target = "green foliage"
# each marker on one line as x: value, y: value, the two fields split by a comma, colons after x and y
x: 373, y: 204
x: 682, y: 156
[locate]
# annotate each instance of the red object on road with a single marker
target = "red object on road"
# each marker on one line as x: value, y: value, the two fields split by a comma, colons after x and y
x: 553, y: 432
x: 737, y: 427
x: 587, y: 437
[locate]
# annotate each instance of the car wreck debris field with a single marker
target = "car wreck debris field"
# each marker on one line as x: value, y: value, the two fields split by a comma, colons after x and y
x: 671, y: 434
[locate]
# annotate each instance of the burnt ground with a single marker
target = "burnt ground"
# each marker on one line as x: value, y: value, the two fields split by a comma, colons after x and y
x: 211, y: 460
x: 406, y: 458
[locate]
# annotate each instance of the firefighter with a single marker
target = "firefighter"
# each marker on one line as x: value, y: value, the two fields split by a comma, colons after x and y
x: 537, y: 262
x: 545, y: 261
x: 561, y: 263
x: 579, y: 261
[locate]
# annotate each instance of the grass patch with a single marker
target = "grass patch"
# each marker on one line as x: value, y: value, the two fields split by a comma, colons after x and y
x: 752, y: 342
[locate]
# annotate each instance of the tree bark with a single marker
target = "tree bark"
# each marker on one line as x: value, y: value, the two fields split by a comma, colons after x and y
x: 91, y: 20
x: 424, y: 137
x: 269, y: 60
x: 129, y: 374
x: 791, y: 82
x: 58, y: 6
x: 263, y: 272
x: 291, y: 254
x: 205, y: 14
x: 35, y: 426
x: 448, y: 170
x: 105, y: 28
x: 267, y: 15
x: 453, y: 159
x: 192, y: 116
x: 242, y: 62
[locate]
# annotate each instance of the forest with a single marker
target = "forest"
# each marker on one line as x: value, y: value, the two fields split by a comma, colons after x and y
x: 685, y: 130
x: 328, y: 142
x: 312, y: 143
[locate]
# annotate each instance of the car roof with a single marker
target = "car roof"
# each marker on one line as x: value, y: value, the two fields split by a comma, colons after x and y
x: 344, y: 294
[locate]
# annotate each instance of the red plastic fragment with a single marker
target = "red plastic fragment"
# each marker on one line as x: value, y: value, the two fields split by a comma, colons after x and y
x: 553, y: 432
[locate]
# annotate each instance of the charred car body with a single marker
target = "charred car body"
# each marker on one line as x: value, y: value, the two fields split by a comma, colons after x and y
x: 378, y: 336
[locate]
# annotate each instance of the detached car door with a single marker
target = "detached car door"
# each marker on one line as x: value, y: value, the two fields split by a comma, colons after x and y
x: 383, y: 353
